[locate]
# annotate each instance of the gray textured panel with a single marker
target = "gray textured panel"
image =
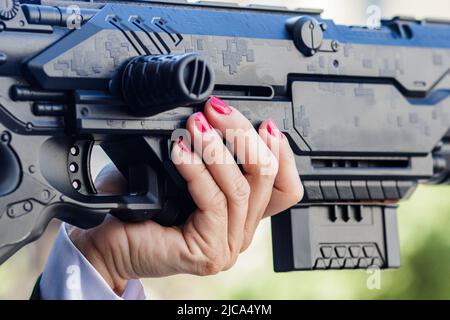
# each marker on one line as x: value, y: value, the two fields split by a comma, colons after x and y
x: 319, y: 242
x: 389, y: 122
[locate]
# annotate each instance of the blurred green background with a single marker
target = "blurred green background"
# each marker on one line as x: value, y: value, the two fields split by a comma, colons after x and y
x: 424, y: 226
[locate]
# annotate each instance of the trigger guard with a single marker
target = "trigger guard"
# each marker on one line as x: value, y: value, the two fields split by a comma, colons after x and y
x: 10, y: 173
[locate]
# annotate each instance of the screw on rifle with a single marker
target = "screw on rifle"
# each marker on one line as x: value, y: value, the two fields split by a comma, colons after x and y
x: 27, y: 206
x: 74, y: 150
x: 5, y: 136
x: 29, y: 126
x: 45, y: 194
x: 73, y: 167
x: 335, y: 45
x: 32, y: 169
x: 76, y: 184
x: 11, y: 212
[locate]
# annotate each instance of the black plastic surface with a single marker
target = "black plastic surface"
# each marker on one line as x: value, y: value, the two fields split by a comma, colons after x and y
x: 156, y: 83
x: 335, y: 237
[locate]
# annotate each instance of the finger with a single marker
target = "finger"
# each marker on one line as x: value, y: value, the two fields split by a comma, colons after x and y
x: 244, y: 141
x: 208, y: 225
x: 227, y: 175
x: 288, y: 189
x: 259, y: 164
x: 111, y: 181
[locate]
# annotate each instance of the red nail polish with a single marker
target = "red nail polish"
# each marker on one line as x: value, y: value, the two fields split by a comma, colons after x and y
x: 201, y: 123
x: 273, y: 129
x: 220, y: 106
x: 183, y: 145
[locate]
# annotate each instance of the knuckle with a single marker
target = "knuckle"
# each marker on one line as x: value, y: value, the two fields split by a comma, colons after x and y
x: 203, y: 172
x: 270, y: 169
x: 246, y: 243
x: 233, y: 252
x: 274, y: 164
x: 212, y: 266
x: 235, y: 246
x: 216, y: 259
x: 290, y: 156
x: 241, y: 191
x: 248, y: 237
x: 231, y: 263
x: 300, y: 193
x: 297, y: 196
x: 219, y: 201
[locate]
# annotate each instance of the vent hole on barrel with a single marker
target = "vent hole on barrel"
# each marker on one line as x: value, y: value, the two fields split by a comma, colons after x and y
x: 196, y: 77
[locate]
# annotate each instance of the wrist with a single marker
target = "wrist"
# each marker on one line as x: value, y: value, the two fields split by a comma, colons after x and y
x: 97, y: 255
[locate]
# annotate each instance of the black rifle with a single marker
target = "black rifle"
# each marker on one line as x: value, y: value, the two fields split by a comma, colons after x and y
x: 367, y: 113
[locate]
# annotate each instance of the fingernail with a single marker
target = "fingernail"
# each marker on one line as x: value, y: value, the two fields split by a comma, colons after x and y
x: 201, y: 123
x: 273, y: 129
x: 183, y: 145
x: 220, y: 106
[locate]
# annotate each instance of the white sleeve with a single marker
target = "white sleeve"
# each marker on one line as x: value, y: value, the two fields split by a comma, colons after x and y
x: 69, y: 275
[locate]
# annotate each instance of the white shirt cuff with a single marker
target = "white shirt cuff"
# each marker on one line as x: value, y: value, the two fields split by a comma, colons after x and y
x: 68, y: 275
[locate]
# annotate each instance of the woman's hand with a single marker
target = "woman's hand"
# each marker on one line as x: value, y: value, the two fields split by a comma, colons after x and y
x: 230, y: 202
